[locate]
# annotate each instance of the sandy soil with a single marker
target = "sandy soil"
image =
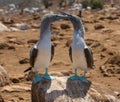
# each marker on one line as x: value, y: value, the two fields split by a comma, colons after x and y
x: 104, y: 42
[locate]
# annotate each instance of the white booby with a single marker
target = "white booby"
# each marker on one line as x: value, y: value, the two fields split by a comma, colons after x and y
x: 80, y: 55
x: 42, y: 52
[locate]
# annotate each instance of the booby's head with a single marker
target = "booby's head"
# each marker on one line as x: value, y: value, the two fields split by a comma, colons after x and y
x: 49, y: 18
x: 76, y: 21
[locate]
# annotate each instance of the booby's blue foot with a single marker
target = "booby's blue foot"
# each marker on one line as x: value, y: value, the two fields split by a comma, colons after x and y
x: 47, y: 76
x: 83, y: 79
x: 37, y: 78
x: 75, y: 77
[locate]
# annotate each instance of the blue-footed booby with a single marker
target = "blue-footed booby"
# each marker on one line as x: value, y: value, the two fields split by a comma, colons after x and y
x: 42, y: 52
x: 80, y: 55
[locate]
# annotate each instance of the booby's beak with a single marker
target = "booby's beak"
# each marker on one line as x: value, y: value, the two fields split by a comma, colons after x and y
x: 57, y: 17
x: 64, y: 13
x: 67, y: 15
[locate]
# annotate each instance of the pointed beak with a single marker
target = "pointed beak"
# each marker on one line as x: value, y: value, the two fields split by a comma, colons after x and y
x: 61, y: 17
x: 64, y: 13
x: 67, y: 15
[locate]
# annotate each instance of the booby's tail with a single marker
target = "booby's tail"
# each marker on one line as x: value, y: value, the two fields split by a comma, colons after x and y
x: 28, y: 69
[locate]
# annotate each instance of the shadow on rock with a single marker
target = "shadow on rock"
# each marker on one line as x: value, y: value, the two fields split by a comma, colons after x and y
x: 77, y: 88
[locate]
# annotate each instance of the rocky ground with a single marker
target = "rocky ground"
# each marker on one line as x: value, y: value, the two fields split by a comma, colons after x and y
x: 102, y: 36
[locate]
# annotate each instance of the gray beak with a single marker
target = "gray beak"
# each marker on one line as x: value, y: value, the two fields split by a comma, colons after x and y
x: 64, y: 13
x: 61, y: 17
x: 67, y: 15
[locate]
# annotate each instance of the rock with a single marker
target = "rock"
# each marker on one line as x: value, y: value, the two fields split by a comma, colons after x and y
x: 14, y: 29
x: 62, y: 89
x: 109, y: 70
x: 68, y: 43
x: 29, y: 76
x: 16, y: 88
x: 101, y: 17
x: 61, y: 35
x: 64, y: 26
x: 59, y: 63
x: 11, y: 48
x: 32, y: 41
x: 55, y: 43
x: 3, y: 27
x: 15, y: 80
x: 20, y: 98
x: 67, y: 73
x: 4, y: 79
x: 62, y: 73
x: 35, y: 17
x: 112, y: 17
x: 1, y: 11
x: 1, y: 99
x: 106, y: 75
x: 118, y: 95
x: 88, y: 21
x: 98, y: 26
x: 7, y: 21
x: 22, y: 26
x: 47, y: 11
x: 35, y: 26
x: 107, y: 30
x: 95, y: 45
x: 6, y: 46
x: 14, y: 41
x: 102, y: 55
x: 24, y: 61
x: 102, y: 69
x: 31, y: 10
x: 89, y: 8
x: 55, y: 33
x: 90, y: 41
x: 35, y: 9
x: 114, y: 60
x: 28, y: 10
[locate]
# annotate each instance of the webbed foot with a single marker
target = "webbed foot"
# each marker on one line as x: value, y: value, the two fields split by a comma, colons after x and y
x: 75, y: 77
x: 47, y: 76
x: 83, y: 79
x: 37, y: 78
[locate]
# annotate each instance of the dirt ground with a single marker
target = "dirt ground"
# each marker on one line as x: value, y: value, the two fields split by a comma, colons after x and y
x: 102, y: 36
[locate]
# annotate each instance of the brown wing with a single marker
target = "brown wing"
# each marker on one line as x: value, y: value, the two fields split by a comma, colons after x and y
x: 70, y: 54
x: 89, y: 57
x: 33, y: 55
x: 52, y: 51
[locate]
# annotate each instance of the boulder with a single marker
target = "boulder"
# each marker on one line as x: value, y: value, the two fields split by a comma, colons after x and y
x: 61, y: 89
x: 1, y: 99
x: 4, y: 79
x: 22, y: 26
x: 16, y: 88
x: 98, y: 26
x: 64, y: 26
x: 3, y: 27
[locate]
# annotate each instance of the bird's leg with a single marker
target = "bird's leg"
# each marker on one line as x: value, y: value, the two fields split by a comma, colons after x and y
x: 83, y: 78
x: 46, y: 71
x: 47, y: 76
x: 37, y: 78
x: 75, y: 77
